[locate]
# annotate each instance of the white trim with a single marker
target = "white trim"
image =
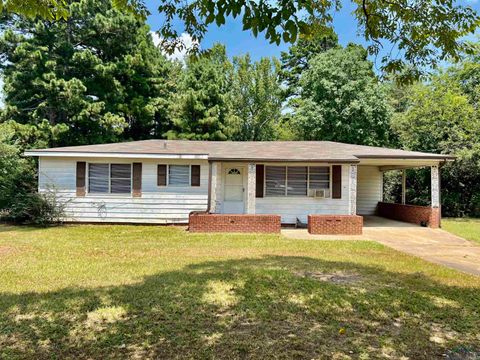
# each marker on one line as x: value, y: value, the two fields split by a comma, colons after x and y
x: 115, y: 155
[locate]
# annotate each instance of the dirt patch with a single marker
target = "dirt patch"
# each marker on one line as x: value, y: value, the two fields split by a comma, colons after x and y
x: 336, y: 278
x: 7, y: 250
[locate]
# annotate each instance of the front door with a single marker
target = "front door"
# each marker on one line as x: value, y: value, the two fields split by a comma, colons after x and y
x: 233, y: 202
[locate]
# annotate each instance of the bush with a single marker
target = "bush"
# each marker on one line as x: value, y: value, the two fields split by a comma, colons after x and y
x: 39, y: 209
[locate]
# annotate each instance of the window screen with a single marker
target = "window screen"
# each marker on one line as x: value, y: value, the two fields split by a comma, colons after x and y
x: 179, y: 175
x: 319, y: 177
x: 98, y: 178
x: 275, y: 180
x: 297, y: 181
x: 120, y: 178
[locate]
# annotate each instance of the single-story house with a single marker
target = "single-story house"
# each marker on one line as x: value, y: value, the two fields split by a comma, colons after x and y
x: 256, y: 184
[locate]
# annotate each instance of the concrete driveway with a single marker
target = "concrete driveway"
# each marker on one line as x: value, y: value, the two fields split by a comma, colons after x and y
x: 433, y: 245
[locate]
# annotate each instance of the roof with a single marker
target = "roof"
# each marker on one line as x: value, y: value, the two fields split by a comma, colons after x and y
x: 240, y: 150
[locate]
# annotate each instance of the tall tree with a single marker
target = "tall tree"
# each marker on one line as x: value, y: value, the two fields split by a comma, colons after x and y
x: 296, y: 60
x: 342, y: 100
x: 425, y: 31
x: 256, y: 98
x: 98, y: 73
x: 200, y: 109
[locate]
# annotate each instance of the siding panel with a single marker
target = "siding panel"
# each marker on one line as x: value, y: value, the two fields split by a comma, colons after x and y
x: 369, y: 189
x: 162, y: 205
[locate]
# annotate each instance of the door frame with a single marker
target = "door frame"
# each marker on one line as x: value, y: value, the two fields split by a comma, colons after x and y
x: 242, y: 169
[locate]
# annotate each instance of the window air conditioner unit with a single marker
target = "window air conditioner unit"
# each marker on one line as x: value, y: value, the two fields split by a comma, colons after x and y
x: 319, y: 194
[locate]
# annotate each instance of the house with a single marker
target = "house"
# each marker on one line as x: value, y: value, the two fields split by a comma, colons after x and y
x: 257, y: 184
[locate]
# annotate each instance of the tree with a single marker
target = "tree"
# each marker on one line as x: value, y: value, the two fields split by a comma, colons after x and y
x: 441, y: 118
x: 200, y: 109
x: 342, y: 100
x: 256, y: 100
x: 296, y: 60
x: 425, y: 32
x: 98, y: 74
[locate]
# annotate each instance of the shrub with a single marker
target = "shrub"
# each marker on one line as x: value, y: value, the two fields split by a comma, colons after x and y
x: 39, y: 209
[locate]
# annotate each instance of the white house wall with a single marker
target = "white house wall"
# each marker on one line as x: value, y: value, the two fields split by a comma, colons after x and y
x: 291, y: 208
x: 369, y: 189
x: 156, y: 205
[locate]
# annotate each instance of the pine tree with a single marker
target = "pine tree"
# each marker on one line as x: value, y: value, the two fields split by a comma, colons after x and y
x: 97, y: 76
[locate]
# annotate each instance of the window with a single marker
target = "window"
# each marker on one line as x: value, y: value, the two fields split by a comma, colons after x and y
x: 179, y: 175
x: 296, y: 180
x: 275, y: 180
x: 319, y: 177
x: 109, y: 178
x: 120, y: 178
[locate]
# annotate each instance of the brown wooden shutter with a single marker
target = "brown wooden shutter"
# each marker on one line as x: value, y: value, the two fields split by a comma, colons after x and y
x: 260, y: 174
x: 137, y: 180
x: 81, y: 173
x: 162, y: 175
x: 195, y: 175
x: 336, y: 181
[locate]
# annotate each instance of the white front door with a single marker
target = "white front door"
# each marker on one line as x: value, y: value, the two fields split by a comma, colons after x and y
x: 233, y: 202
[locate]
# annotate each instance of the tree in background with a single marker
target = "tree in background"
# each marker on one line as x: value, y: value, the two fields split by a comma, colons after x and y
x: 256, y: 99
x: 97, y: 76
x: 295, y: 61
x: 342, y: 100
x: 200, y: 110
x: 440, y: 117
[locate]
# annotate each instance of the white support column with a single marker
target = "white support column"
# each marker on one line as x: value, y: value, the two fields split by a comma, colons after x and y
x: 251, y: 188
x: 404, y: 186
x: 353, y: 190
x: 215, y: 187
x: 435, y: 186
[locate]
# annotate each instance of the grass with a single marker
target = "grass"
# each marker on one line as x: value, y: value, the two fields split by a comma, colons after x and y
x: 159, y: 292
x: 466, y: 228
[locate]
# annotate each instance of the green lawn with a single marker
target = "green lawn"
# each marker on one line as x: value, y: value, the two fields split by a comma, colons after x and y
x: 466, y: 228
x: 159, y: 292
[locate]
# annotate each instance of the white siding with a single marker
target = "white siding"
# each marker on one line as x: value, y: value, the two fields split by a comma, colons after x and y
x: 291, y: 208
x: 157, y: 205
x: 369, y: 189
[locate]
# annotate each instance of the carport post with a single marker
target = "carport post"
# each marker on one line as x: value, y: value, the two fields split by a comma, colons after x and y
x: 404, y: 185
x: 435, y: 188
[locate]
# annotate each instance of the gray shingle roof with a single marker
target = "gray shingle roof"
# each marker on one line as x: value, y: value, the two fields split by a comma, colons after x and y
x: 251, y: 150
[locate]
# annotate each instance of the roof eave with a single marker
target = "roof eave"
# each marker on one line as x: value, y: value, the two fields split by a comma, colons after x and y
x: 124, y: 155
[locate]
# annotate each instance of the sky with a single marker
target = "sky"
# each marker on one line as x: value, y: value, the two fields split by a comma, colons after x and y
x: 239, y: 42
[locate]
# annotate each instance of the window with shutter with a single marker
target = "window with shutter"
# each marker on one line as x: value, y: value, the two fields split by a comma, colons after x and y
x: 109, y: 178
x: 178, y: 175
x: 295, y: 180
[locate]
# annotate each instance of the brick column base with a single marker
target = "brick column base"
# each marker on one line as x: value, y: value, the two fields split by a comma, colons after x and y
x: 335, y: 224
x: 226, y: 223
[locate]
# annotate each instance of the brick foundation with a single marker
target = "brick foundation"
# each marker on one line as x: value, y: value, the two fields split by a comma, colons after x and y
x: 410, y: 213
x: 243, y: 223
x: 335, y: 224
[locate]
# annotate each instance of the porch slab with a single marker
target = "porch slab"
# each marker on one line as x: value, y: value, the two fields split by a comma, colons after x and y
x: 434, y: 245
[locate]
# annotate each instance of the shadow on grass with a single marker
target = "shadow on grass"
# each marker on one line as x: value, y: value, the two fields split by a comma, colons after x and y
x: 270, y: 307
